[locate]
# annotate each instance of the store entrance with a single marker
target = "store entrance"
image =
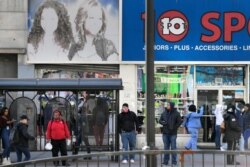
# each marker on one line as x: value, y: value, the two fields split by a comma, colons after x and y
x: 210, y: 98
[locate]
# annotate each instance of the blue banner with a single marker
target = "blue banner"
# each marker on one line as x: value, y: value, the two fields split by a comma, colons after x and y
x: 189, y: 30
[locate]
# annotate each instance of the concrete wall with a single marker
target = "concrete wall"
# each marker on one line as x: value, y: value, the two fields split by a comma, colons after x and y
x: 13, y: 27
x: 129, y: 80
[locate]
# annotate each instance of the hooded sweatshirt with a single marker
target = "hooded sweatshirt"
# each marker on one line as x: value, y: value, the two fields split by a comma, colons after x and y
x: 171, y: 120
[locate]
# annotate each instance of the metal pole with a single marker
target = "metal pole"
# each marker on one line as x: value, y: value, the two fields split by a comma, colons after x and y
x: 149, y: 39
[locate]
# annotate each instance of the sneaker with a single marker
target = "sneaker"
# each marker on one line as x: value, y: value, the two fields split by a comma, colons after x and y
x: 132, y: 161
x: 6, y: 161
x: 164, y: 163
x: 124, y: 161
x: 222, y: 149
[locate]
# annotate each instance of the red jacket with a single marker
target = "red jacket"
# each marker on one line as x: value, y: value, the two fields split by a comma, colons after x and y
x: 57, y: 130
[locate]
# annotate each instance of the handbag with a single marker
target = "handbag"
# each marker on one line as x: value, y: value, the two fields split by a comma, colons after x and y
x: 48, y: 146
x: 222, y: 127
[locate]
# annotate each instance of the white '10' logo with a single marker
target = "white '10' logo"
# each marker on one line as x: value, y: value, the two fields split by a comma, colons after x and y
x: 175, y: 26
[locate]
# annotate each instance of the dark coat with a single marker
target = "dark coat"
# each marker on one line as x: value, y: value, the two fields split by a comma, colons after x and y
x: 246, y: 120
x: 232, y: 127
x: 24, y: 136
x: 171, y: 121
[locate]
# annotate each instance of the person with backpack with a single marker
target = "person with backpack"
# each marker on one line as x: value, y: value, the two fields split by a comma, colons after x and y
x: 57, y: 133
x: 6, y: 124
x: 232, y: 133
x: 100, y: 119
x: 22, y: 143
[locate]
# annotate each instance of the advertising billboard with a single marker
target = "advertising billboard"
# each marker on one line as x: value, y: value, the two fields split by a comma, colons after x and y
x: 73, y: 31
x: 188, y: 30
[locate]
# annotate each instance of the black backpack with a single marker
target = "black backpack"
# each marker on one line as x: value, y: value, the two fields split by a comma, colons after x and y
x: 14, y: 135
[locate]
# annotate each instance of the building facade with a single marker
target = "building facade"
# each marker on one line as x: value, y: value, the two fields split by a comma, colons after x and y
x: 201, y: 57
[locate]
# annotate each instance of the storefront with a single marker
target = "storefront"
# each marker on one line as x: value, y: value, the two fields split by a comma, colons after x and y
x: 201, y: 56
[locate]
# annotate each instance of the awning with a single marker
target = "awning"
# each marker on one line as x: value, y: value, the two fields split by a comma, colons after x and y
x: 60, y: 84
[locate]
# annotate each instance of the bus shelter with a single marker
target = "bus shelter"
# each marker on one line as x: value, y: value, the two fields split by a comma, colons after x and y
x: 38, y: 98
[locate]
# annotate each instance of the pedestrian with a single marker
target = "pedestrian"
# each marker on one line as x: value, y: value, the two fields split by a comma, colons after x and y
x: 100, y: 119
x: 128, y: 127
x: 218, y: 112
x: 22, y: 147
x: 81, y: 131
x: 246, y: 125
x: 239, y: 110
x: 171, y: 121
x: 57, y: 133
x: 232, y: 132
x: 6, y: 124
x: 193, y: 124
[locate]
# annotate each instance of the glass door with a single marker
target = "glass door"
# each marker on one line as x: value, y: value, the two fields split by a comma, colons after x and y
x: 208, y: 98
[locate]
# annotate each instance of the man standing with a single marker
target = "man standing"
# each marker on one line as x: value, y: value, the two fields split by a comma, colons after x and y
x: 171, y: 121
x: 23, y: 144
x: 57, y: 132
x: 128, y: 127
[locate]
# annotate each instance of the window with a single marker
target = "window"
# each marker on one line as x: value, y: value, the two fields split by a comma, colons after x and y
x: 220, y: 75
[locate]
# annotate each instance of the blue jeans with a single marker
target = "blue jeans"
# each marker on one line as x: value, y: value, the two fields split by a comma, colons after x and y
x: 169, y: 141
x: 25, y: 151
x: 128, y: 143
x: 217, y: 136
x: 6, y: 142
x: 192, y: 143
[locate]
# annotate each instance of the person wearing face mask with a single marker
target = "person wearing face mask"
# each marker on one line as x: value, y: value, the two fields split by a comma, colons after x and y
x: 232, y: 132
x: 239, y: 111
x: 218, y: 112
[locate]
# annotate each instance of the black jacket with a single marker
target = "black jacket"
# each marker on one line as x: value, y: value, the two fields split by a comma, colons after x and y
x: 171, y: 121
x: 232, y: 127
x: 24, y: 136
x: 246, y: 120
x: 127, y: 122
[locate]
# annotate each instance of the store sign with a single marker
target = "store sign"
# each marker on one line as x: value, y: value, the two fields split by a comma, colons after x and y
x: 189, y: 30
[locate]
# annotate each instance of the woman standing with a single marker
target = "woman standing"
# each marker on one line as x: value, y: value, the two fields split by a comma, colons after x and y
x: 5, y: 124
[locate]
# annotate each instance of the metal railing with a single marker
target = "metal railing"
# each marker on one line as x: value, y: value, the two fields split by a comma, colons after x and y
x: 186, y: 158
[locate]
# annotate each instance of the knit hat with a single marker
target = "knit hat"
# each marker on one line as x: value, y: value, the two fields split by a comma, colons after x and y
x: 125, y: 105
x: 57, y: 111
x: 192, y: 108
